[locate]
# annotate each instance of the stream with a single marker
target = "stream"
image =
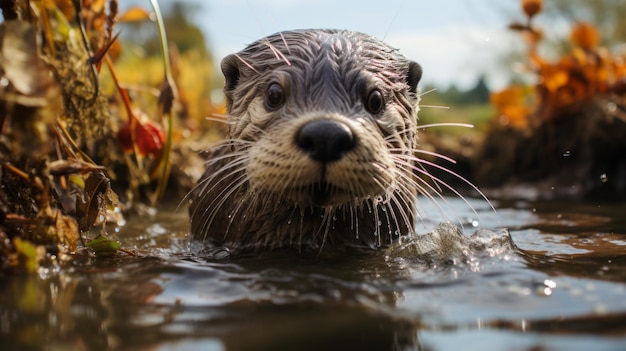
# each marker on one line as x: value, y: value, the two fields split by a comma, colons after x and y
x: 543, y: 276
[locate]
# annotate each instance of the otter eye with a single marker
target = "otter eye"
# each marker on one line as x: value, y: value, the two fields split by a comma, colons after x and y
x: 274, y: 96
x: 375, y: 102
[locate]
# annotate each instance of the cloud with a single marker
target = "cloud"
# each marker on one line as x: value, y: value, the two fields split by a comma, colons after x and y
x: 455, y: 55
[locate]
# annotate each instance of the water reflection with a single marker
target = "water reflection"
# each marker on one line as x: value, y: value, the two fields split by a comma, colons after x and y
x: 562, y: 285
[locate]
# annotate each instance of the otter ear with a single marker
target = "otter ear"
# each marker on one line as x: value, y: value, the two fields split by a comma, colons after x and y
x: 413, y: 76
x: 230, y: 69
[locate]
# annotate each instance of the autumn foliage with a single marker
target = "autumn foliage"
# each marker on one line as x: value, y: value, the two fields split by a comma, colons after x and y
x: 82, y: 144
x: 563, y: 136
x: 586, y: 71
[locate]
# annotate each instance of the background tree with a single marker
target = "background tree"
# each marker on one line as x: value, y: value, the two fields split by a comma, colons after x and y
x: 180, y: 29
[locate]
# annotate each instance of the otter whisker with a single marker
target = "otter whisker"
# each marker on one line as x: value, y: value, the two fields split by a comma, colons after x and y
x: 402, y: 196
x: 427, y: 92
x: 388, y: 211
x: 246, y: 63
x: 426, y: 152
x: 446, y: 124
x: 220, y: 118
x: 279, y: 55
x: 399, y: 211
x: 327, y: 216
x: 436, y: 106
x: 232, y: 169
x: 377, y: 223
x: 222, y: 198
x: 284, y: 42
x: 207, y: 180
x: 233, y: 214
x: 423, y: 188
x: 449, y: 187
x: 458, y: 176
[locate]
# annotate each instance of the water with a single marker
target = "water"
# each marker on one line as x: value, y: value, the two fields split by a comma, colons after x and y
x: 560, y: 286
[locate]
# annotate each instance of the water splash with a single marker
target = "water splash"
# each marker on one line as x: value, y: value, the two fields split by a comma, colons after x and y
x: 446, y: 243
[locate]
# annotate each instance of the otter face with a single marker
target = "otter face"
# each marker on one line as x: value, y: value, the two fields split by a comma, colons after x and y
x: 325, y: 118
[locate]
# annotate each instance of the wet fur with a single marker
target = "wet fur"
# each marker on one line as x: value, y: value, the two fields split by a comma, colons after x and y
x: 261, y: 192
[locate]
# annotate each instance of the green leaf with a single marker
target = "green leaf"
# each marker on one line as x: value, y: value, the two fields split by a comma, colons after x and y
x: 103, y: 246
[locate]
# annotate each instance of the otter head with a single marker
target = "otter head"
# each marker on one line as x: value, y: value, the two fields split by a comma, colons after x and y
x: 322, y: 131
x: 326, y: 111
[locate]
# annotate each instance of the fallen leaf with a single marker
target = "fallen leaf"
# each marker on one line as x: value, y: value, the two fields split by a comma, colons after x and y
x: 91, y: 202
x: 103, y: 246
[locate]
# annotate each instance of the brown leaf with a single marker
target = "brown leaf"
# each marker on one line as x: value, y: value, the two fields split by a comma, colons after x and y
x: 70, y: 166
x: 167, y: 95
x: 22, y: 66
x: 532, y: 7
x: 92, y: 202
x: 518, y: 26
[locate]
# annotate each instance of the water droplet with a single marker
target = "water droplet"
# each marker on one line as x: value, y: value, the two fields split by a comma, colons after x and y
x: 474, y: 223
x: 567, y: 153
x: 604, y: 178
x: 611, y: 107
x: 549, y: 283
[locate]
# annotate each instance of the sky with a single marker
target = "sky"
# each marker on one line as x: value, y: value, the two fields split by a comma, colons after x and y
x: 455, y: 41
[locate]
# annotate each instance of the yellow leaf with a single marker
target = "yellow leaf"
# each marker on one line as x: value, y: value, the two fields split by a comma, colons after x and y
x: 28, y: 254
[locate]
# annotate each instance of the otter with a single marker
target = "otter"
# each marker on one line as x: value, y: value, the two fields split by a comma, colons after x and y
x: 322, y: 131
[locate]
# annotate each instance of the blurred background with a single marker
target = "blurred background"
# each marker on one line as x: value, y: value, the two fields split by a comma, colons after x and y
x: 465, y: 48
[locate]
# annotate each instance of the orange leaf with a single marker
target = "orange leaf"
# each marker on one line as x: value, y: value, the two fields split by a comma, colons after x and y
x: 585, y: 35
x: 133, y: 14
x: 66, y: 7
x: 511, y: 106
x: 553, y: 77
x: 532, y: 7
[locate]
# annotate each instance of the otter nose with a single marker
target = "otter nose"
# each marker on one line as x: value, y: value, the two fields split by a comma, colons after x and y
x: 325, y: 140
